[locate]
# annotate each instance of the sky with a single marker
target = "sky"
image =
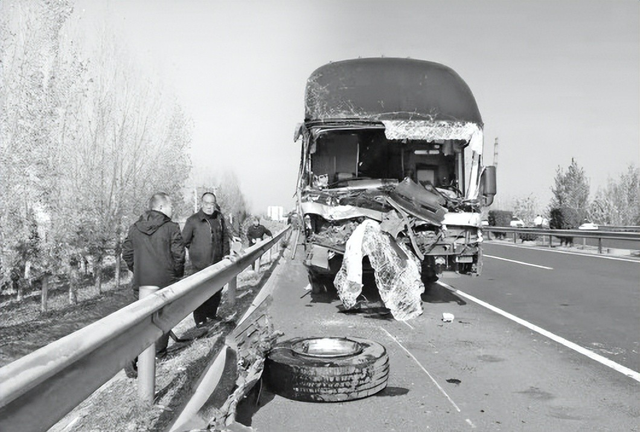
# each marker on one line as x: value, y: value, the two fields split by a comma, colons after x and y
x: 553, y: 79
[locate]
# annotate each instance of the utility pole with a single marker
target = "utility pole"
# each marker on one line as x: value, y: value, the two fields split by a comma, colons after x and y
x: 495, y: 164
x: 495, y: 154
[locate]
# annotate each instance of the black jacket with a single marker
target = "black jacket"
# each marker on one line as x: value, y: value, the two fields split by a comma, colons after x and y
x: 206, y: 238
x: 154, y: 250
x: 255, y: 233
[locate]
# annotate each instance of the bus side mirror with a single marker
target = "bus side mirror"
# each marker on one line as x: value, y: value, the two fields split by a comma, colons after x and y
x: 298, y: 132
x: 488, y: 184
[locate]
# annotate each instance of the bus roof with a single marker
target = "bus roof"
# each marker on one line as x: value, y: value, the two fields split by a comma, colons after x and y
x: 375, y: 89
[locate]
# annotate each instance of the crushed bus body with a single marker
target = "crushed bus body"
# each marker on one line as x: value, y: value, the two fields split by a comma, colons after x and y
x: 398, y: 143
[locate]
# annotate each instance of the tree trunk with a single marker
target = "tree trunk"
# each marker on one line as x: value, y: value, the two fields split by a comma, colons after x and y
x: 25, y: 281
x: 117, y: 275
x: 73, y: 286
x: 118, y: 253
x: 20, y: 288
x: 45, y: 293
x: 98, y: 276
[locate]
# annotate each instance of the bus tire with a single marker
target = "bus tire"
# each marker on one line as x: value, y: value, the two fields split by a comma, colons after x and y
x: 320, y: 378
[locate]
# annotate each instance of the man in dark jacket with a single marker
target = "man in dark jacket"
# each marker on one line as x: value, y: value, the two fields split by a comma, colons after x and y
x: 154, y: 251
x: 206, y: 237
x: 256, y: 232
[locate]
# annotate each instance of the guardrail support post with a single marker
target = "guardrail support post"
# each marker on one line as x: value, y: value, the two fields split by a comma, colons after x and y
x: 550, y: 241
x: 147, y: 361
x: 515, y: 237
x: 256, y: 265
x: 231, y: 291
x: 600, y: 245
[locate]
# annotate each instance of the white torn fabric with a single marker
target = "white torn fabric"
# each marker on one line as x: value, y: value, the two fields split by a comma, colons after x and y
x: 396, y: 271
x: 435, y: 130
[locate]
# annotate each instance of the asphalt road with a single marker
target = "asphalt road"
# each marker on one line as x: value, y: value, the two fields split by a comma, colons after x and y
x: 591, y: 300
x: 482, y: 371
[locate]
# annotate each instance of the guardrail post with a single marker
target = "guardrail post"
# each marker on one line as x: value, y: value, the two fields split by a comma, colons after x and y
x: 515, y: 237
x: 232, y: 286
x: 600, y: 245
x: 256, y: 265
x: 550, y: 241
x: 147, y: 361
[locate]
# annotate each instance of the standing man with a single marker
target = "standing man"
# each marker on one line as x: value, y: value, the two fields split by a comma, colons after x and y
x: 154, y: 251
x: 205, y: 235
x: 256, y: 232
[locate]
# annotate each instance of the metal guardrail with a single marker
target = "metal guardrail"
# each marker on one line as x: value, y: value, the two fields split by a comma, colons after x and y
x: 594, y: 234
x: 37, y: 390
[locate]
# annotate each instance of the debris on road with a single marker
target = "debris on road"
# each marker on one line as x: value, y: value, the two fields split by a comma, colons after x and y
x: 447, y: 317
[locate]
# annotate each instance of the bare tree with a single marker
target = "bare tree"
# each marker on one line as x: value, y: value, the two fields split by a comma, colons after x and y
x: 526, y: 208
x: 619, y: 202
x: 82, y: 145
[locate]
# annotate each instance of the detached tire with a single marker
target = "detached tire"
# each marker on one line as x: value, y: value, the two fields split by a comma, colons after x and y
x: 327, y: 369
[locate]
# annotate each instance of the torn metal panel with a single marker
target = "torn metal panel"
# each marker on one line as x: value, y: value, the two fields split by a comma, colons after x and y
x: 339, y: 212
x: 393, y: 224
x: 335, y: 235
x: 418, y: 202
x: 396, y: 270
x: 319, y: 256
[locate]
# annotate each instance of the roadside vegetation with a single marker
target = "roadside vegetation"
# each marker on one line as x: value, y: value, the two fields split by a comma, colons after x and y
x: 87, y: 135
x: 617, y: 204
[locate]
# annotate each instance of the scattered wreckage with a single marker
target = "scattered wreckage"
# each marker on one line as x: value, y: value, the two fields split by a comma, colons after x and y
x: 391, y: 178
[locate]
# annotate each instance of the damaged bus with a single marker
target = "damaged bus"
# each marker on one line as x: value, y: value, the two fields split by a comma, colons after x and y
x: 395, y: 145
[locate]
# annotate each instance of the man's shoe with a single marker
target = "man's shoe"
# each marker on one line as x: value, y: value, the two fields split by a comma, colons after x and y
x: 200, y: 324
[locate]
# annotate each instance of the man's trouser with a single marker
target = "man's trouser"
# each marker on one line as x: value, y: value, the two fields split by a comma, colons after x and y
x: 208, y: 309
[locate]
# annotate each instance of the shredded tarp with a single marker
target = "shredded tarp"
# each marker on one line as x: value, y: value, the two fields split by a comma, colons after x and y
x: 396, y: 271
x: 429, y: 130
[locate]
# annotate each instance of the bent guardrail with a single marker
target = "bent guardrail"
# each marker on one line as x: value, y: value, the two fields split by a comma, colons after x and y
x: 591, y: 234
x: 40, y: 388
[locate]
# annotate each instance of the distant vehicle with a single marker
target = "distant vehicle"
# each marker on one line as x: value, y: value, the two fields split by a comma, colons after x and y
x: 588, y: 226
x: 516, y: 223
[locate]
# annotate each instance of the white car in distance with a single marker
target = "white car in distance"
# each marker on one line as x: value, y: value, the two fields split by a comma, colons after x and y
x: 516, y: 223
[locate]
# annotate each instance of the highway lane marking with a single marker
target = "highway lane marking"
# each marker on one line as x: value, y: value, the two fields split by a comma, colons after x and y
x: 567, y: 252
x: 593, y: 356
x: 518, y: 262
x: 422, y: 367
x: 408, y: 325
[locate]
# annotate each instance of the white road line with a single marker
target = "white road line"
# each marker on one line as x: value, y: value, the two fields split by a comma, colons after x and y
x: 422, y: 367
x: 567, y: 252
x: 593, y: 356
x: 518, y: 262
x: 408, y: 325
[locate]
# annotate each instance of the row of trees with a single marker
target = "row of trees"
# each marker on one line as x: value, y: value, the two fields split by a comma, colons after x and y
x: 618, y: 203
x: 85, y: 139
